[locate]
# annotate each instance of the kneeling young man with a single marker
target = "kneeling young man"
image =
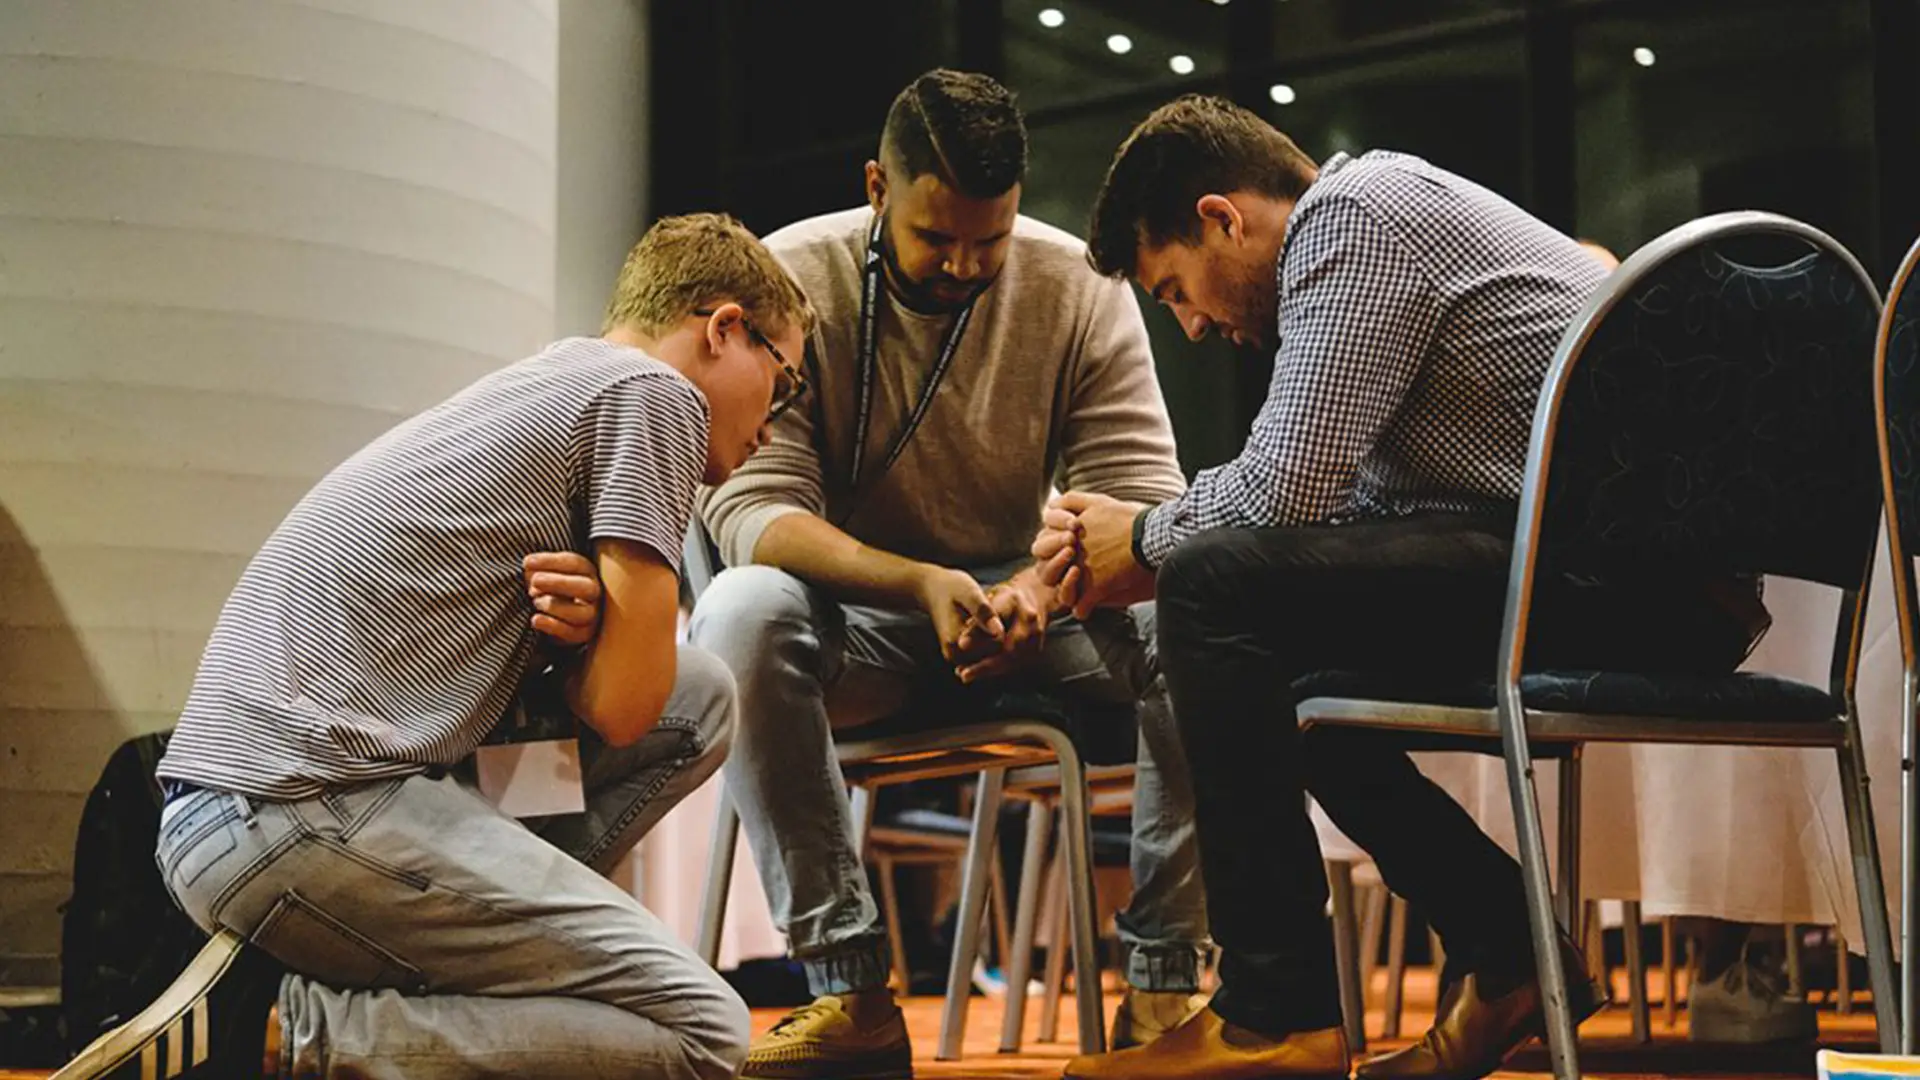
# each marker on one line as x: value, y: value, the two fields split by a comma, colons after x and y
x: 403, y: 925
x: 1367, y: 525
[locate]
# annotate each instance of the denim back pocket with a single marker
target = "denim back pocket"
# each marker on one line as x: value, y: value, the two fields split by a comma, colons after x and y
x: 303, y: 937
x: 198, y: 833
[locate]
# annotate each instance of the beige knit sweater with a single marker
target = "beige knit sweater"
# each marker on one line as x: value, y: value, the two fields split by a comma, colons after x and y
x: 1052, y: 383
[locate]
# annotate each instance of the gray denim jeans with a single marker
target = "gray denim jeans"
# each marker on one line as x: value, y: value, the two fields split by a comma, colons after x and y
x: 807, y: 665
x: 429, y: 935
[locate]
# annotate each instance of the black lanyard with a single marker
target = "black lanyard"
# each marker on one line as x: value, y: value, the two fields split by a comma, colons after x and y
x: 869, y: 343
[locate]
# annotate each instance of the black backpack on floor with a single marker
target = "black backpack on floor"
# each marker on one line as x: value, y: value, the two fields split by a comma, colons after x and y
x: 122, y: 939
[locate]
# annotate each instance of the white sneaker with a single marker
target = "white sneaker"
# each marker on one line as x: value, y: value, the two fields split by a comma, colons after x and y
x: 1748, y: 1004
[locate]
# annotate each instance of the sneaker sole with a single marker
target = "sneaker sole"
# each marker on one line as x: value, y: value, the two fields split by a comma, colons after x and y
x: 142, y: 1035
x: 1707, y: 1025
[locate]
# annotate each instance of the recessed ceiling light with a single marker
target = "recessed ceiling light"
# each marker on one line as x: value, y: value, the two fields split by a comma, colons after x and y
x: 1120, y: 43
x: 1052, y: 17
x: 1181, y: 65
x: 1282, y: 94
x: 1643, y: 56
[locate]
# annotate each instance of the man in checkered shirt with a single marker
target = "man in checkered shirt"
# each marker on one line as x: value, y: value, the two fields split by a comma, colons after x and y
x: 1366, y: 525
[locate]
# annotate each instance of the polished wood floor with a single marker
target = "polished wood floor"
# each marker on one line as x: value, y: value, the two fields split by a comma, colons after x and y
x: 1608, y: 1049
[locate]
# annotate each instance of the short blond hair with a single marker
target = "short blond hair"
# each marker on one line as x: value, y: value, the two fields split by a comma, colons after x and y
x: 696, y: 261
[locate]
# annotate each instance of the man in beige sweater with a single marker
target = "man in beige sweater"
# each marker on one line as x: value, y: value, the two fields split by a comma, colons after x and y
x: 967, y: 360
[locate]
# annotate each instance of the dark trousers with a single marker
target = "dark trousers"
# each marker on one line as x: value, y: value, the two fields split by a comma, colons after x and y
x: 1245, y: 612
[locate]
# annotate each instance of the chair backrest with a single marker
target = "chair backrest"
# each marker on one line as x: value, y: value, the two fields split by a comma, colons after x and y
x: 1710, y: 412
x: 1706, y: 415
x: 1897, y: 397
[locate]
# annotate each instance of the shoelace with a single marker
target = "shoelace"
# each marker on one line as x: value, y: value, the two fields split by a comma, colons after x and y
x: 800, y: 1015
x: 1763, y: 984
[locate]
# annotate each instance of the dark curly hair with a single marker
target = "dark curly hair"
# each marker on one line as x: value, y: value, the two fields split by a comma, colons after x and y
x: 1193, y: 146
x: 961, y: 127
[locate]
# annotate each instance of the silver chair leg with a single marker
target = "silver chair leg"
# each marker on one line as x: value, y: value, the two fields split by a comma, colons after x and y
x: 1396, y: 969
x: 861, y: 804
x: 1020, y: 955
x: 1669, y: 975
x: 1057, y: 946
x: 1000, y: 911
x: 973, y: 900
x: 1843, y: 977
x: 1346, y: 953
x: 1869, y: 889
x: 1593, y: 944
x: 902, y: 978
x: 1796, y: 973
x: 1636, y: 972
x: 1567, y: 896
x: 1373, y: 930
x: 1076, y: 823
x: 1909, y: 872
x: 713, y: 898
x: 1533, y: 865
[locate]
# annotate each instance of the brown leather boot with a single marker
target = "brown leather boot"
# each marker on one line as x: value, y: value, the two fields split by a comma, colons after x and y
x: 1472, y: 1035
x: 1206, y: 1047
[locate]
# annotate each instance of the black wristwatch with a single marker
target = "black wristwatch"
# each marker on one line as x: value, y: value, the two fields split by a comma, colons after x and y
x: 1140, y: 538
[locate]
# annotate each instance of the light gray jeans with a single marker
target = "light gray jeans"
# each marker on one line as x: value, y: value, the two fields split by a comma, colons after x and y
x: 429, y: 935
x: 807, y: 665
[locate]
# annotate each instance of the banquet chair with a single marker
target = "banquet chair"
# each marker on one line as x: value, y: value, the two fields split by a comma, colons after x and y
x: 1897, y: 401
x: 1707, y: 413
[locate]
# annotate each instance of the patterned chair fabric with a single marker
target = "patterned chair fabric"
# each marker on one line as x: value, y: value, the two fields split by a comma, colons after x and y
x: 1902, y: 367
x: 1720, y: 419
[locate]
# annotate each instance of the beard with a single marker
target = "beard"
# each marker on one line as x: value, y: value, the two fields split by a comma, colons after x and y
x: 1251, y: 293
x: 935, y: 294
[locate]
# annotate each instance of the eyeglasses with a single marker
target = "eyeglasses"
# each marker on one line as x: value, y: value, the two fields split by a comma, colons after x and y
x: 789, y: 382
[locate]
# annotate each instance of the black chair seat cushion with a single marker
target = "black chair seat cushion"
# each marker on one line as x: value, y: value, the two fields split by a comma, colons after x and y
x: 1105, y: 734
x: 1742, y: 697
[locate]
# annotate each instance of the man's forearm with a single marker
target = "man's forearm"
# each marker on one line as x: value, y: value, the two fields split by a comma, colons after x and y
x: 808, y: 547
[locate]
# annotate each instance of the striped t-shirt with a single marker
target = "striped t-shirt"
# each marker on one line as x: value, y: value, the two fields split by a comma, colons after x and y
x: 384, y: 627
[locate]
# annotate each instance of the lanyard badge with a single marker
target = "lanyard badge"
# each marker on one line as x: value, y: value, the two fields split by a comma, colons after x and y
x: 869, y: 348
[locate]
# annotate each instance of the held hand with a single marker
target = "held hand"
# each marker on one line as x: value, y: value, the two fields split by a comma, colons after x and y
x: 565, y: 589
x: 1022, y: 605
x: 1058, y: 548
x: 1109, y: 575
x: 958, y: 606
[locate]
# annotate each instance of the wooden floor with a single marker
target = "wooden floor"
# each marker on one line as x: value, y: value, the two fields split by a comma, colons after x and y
x: 1607, y: 1049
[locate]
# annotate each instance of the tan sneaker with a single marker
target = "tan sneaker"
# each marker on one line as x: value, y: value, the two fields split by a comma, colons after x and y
x: 1145, y: 1015
x: 1208, y: 1048
x: 821, y: 1041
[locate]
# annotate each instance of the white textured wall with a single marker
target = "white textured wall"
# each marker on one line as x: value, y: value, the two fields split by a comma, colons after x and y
x: 603, y: 154
x: 237, y: 239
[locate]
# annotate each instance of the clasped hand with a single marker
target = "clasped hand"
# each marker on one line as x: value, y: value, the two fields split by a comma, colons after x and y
x: 1085, y: 550
x: 985, y: 632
